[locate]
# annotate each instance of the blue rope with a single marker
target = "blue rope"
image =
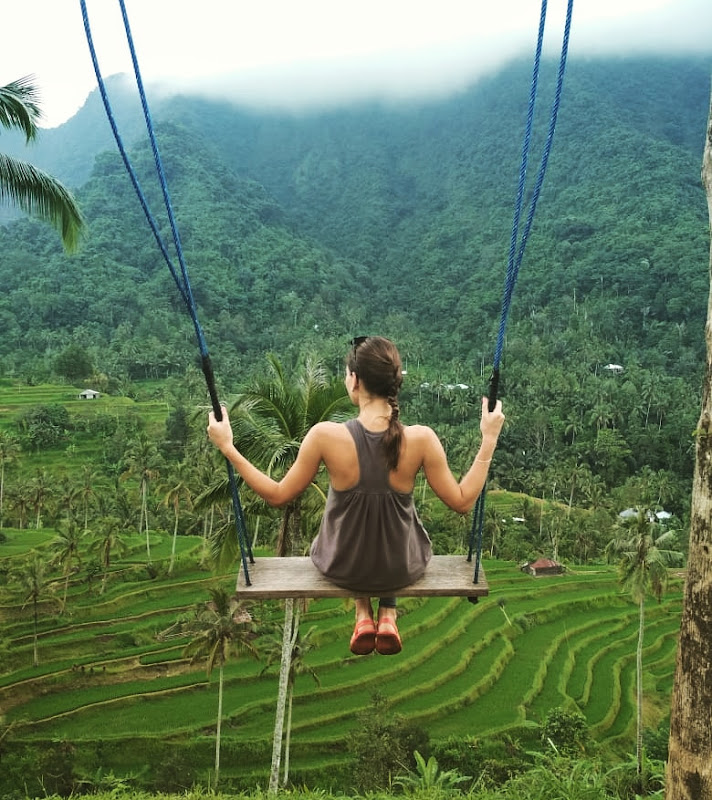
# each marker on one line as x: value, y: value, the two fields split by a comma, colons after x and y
x: 518, y: 244
x: 516, y: 254
x: 182, y: 281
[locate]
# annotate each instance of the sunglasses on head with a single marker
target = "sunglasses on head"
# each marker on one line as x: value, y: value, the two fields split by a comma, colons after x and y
x: 357, y: 341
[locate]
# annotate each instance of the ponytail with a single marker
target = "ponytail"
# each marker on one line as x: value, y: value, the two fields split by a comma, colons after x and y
x: 393, y: 435
x: 377, y: 363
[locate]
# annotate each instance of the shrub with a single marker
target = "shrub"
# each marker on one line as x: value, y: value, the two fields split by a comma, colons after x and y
x: 567, y: 731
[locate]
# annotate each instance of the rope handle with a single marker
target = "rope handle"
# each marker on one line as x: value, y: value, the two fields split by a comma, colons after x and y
x: 207, y: 366
x: 493, y: 390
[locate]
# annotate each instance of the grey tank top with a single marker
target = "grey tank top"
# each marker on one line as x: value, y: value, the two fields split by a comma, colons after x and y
x: 371, y: 538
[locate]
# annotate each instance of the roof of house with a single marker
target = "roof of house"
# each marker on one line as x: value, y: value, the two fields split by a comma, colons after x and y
x: 543, y: 563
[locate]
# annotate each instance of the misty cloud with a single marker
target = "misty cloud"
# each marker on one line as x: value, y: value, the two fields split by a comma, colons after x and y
x: 406, y: 73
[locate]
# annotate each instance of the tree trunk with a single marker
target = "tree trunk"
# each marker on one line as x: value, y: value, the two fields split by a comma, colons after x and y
x: 689, y: 774
x: 218, y: 727
x: 144, y: 514
x: 639, y: 689
x: 288, y: 737
x: 2, y: 490
x: 35, y: 653
x: 173, y: 546
x: 284, y: 668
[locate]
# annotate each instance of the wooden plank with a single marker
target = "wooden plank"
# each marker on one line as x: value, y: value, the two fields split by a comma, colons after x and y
x: 446, y: 576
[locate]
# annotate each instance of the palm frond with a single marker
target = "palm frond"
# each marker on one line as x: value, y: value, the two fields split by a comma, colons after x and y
x: 41, y: 196
x: 224, y: 546
x: 19, y: 106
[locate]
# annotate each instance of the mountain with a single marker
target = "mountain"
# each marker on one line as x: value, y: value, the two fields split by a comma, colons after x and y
x: 387, y: 217
x: 302, y: 231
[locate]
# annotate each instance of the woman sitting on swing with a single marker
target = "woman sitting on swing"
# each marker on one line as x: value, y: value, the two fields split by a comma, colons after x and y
x: 371, y: 540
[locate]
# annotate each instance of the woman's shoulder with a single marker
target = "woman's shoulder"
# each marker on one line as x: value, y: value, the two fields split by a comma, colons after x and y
x: 419, y: 430
x: 329, y: 429
x: 419, y: 433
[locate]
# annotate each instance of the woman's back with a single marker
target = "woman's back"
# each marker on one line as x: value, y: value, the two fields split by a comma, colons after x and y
x: 371, y: 538
x: 341, y: 461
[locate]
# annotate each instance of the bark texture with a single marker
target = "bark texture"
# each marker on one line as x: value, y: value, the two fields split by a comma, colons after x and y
x: 690, y: 760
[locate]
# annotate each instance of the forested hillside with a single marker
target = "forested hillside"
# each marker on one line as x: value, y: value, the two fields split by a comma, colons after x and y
x: 303, y: 230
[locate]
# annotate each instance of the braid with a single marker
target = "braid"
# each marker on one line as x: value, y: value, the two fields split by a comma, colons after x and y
x: 394, y: 434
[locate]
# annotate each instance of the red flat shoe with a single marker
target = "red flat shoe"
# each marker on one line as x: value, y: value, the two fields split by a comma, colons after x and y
x: 363, y: 640
x: 388, y: 641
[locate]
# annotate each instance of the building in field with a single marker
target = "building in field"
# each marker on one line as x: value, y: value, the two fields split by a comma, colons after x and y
x: 543, y: 566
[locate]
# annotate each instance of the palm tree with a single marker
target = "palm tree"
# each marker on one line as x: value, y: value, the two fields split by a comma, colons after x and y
x: 33, y: 583
x: 301, y: 646
x: 178, y: 489
x: 34, y: 191
x: 20, y: 502
x: 645, y: 553
x: 66, y: 498
x: 270, y: 420
x: 142, y: 461
x: 40, y: 490
x: 9, y: 448
x: 86, y: 491
x: 66, y: 552
x: 222, y: 625
x: 493, y: 526
x: 107, y: 543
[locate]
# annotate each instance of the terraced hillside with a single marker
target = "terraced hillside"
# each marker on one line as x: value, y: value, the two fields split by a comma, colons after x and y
x: 126, y: 697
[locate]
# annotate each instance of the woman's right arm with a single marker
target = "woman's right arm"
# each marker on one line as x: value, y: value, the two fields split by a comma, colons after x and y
x: 276, y: 493
x: 461, y: 496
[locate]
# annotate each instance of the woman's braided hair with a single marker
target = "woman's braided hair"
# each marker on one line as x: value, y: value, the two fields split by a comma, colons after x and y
x: 377, y: 363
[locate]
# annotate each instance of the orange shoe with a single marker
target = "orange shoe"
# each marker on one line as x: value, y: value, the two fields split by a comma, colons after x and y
x: 388, y: 641
x: 363, y: 640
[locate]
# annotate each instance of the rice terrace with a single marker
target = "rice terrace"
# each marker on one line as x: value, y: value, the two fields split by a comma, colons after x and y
x: 347, y: 256
x: 113, y: 684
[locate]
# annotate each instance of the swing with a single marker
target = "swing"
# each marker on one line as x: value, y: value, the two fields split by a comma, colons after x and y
x: 297, y: 577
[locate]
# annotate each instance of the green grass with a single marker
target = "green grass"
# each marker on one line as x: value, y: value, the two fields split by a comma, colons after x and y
x: 82, y: 447
x: 464, y: 670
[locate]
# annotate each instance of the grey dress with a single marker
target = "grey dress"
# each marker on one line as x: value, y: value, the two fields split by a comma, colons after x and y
x: 371, y: 539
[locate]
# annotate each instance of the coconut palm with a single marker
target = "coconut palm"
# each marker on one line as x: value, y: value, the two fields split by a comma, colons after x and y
x: 107, y: 543
x: 40, y: 493
x: 86, y: 491
x: 645, y: 552
x: 9, y: 448
x: 31, y: 189
x: 178, y: 489
x: 269, y: 421
x: 20, y: 501
x: 34, y: 585
x: 301, y: 647
x: 271, y: 418
x: 222, y: 625
x: 66, y: 552
x: 142, y: 461
x: 66, y: 498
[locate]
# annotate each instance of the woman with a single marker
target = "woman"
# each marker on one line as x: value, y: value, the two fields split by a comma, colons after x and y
x: 371, y: 539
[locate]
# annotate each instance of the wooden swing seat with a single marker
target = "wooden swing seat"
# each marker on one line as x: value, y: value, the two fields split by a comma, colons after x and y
x: 278, y: 578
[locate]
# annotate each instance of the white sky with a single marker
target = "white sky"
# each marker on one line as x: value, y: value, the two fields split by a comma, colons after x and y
x: 291, y: 53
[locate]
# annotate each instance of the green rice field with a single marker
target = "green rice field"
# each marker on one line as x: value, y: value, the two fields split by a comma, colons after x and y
x: 107, y: 680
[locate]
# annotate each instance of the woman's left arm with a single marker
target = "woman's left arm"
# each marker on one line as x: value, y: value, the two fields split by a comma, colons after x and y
x: 276, y: 493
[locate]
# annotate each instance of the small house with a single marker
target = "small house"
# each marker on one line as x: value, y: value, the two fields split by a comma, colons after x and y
x: 543, y: 566
x: 89, y: 394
